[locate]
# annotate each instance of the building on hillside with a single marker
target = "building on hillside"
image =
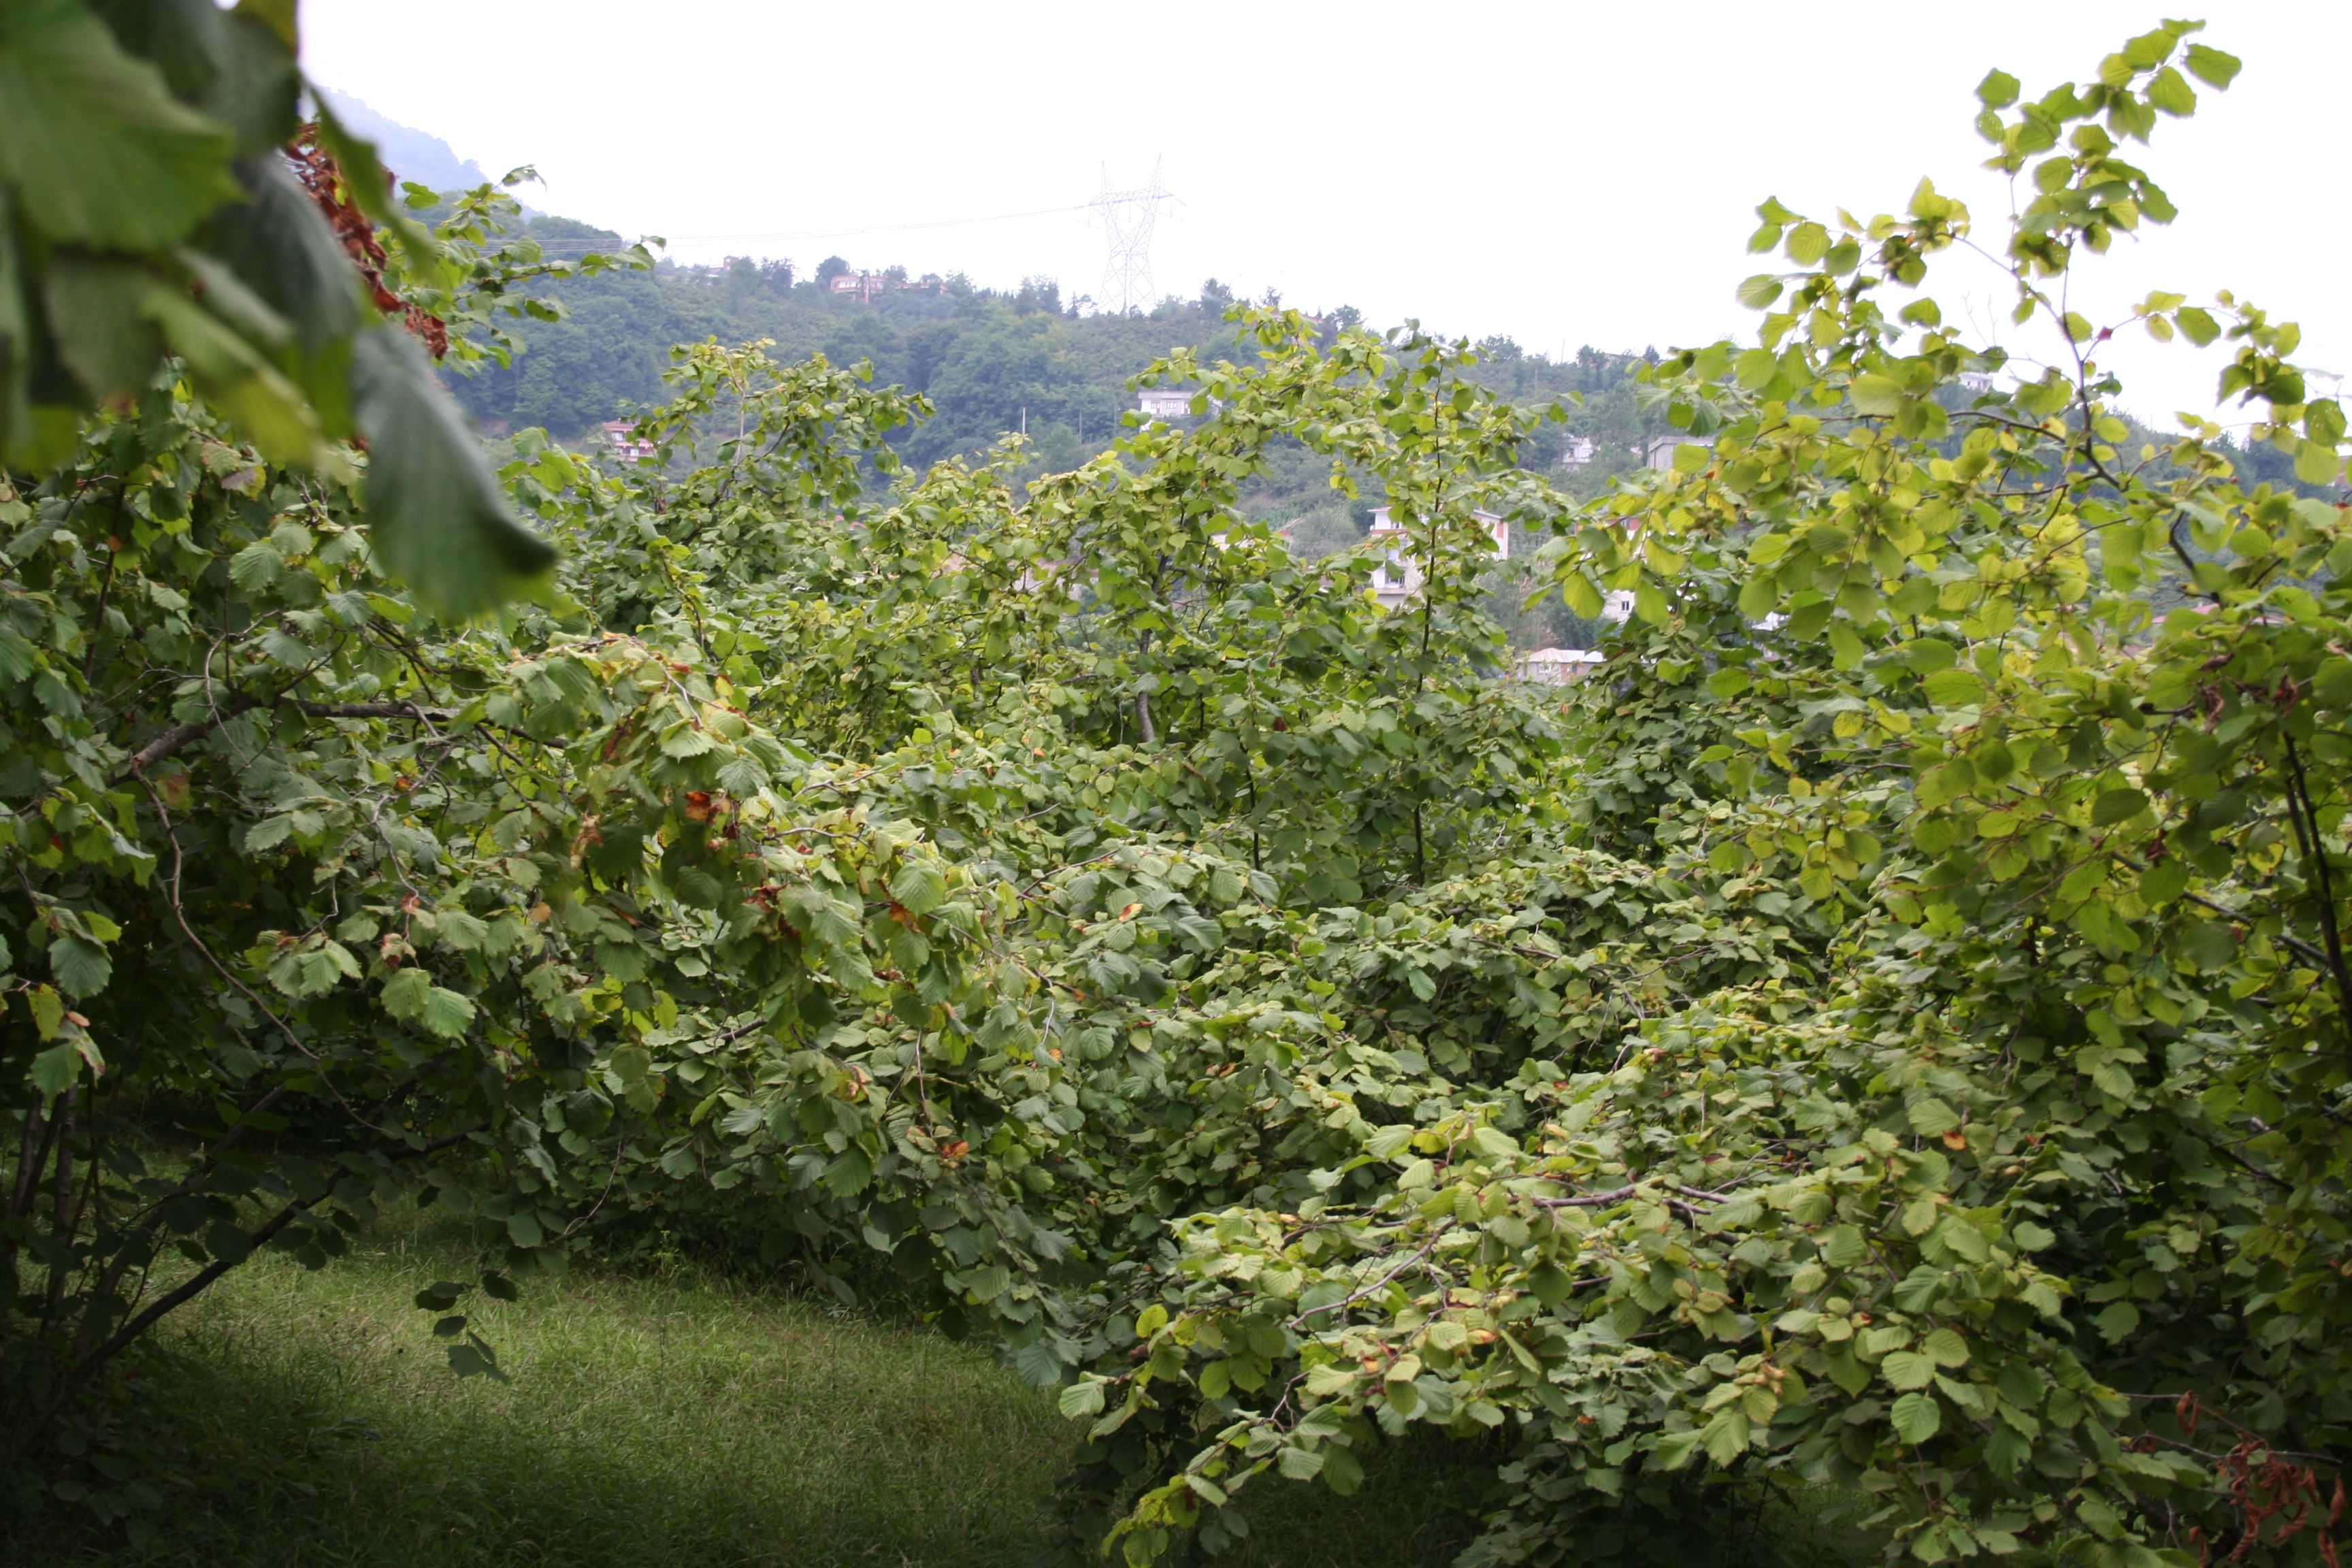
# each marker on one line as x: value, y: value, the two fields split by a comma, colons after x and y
x: 870, y: 285
x: 620, y: 438
x: 1157, y: 403
x: 1557, y: 666
x: 1579, y: 453
x: 1658, y: 451
x: 1400, y: 576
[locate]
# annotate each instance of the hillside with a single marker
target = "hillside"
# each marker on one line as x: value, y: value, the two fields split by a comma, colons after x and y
x: 992, y: 361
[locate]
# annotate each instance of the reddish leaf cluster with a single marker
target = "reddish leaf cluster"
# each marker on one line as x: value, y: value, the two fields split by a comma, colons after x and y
x: 2266, y: 1486
x: 323, y: 178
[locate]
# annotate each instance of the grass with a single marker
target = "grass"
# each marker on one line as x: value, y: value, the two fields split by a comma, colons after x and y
x: 677, y: 1420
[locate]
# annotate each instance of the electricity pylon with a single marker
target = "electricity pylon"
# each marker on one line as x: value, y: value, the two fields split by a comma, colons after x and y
x: 1126, y: 218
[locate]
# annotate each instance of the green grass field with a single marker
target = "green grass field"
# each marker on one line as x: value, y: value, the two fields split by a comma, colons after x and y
x: 679, y: 1420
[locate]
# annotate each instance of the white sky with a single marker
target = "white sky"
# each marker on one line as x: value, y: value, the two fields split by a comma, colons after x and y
x: 1564, y: 173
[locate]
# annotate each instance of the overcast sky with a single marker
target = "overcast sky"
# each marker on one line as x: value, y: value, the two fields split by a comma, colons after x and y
x: 1562, y: 172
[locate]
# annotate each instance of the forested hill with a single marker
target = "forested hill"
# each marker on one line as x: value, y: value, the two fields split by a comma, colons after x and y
x: 990, y: 361
x: 995, y: 362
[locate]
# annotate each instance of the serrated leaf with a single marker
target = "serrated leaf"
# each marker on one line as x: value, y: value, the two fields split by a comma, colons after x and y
x: 445, y: 1012
x: 1932, y: 1118
x: 1081, y: 1399
x: 403, y: 994
x: 1907, y: 1368
x: 1759, y: 292
x: 2170, y: 91
x: 1954, y: 687
x: 53, y: 1070
x: 2117, y: 805
x: 459, y: 929
x: 255, y: 567
x: 1875, y: 394
x: 1998, y: 91
x: 2211, y: 67
x: 438, y: 518
x: 1916, y: 1417
x: 919, y: 888
x: 82, y: 967
x: 2198, y: 326
x: 98, y: 152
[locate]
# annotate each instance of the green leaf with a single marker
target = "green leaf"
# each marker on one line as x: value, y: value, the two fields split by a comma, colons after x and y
x: 98, y: 150
x: 2170, y: 91
x: 1946, y: 1347
x: 2198, y: 326
x: 55, y: 1070
x: 99, y: 313
x: 2316, y: 463
x: 849, y: 1173
x: 1875, y: 394
x: 1759, y: 292
x: 1998, y: 91
x: 2211, y: 67
x: 403, y: 996
x: 2209, y: 945
x: 1082, y: 1399
x: 256, y: 567
x: 278, y: 245
x: 438, y: 520
x: 1907, y: 1368
x: 81, y: 967
x: 1301, y: 1463
x: 1916, y: 1417
x: 2117, y: 805
x: 446, y: 1012
x: 1932, y: 1118
x: 459, y: 929
x: 919, y: 888
x: 1954, y: 687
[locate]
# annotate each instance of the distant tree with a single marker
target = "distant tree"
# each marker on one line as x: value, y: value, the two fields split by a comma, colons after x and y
x: 1345, y: 316
x: 831, y: 268
x: 1038, y: 295
x: 1215, y: 297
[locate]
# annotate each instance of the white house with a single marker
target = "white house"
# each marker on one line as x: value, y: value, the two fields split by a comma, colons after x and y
x: 1579, y: 453
x: 1164, y: 403
x: 620, y: 437
x: 1400, y: 576
x: 1557, y: 666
